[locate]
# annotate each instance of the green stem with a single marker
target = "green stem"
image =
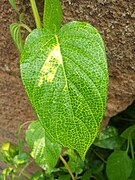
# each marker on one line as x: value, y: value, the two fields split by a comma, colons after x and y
x: 131, y: 147
x: 67, y: 167
x: 26, y: 27
x: 35, y: 13
x: 128, y: 145
x: 23, y: 169
x: 98, y: 155
x: 25, y: 175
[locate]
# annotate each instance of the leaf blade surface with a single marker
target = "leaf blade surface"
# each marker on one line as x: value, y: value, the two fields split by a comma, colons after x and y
x: 44, y: 149
x: 16, y: 35
x: 52, y: 15
x: 65, y: 76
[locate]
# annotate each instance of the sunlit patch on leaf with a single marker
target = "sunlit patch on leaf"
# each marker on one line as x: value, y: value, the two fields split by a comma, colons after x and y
x: 50, y: 66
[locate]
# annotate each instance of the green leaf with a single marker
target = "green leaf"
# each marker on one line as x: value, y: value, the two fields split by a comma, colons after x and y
x: 16, y: 35
x: 21, y: 16
x: 129, y: 132
x: 65, y: 177
x: 37, y: 176
x: 119, y: 166
x: 52, y: 15
x: 43, y: 148
x: 108, y: 138
x: 86, y: 175
x: 108, y: 132
x: 132, y: 175
x: 7, y: 171
x: 75, y: 163
x: 65, y: 76
x: 21, y: 159
x: 12, y: 3
x: 2, y: 177
x: 8, y: 152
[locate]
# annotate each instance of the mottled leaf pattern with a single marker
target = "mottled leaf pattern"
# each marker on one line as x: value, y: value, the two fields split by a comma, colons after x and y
x: 65, y: 76
x: 43, y: 148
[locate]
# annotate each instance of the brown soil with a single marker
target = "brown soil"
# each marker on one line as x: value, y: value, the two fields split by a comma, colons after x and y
x: 114, y: 19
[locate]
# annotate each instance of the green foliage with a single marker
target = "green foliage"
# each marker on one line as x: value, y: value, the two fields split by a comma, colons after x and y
x: 37, y: 176
x: 129, y: 133
x: 75, y: 163
x: 16, y: 35
x: 64, y: 71
x: 44, y: 150
x: 64, y: 177
x: 109, y: 138
x: 15, y: 159
x: 70, y: 109
x: 13, y: 4
x: 52, y: 15
x: 119, y: 166
x: 86, y: 175
x: 132, y: 175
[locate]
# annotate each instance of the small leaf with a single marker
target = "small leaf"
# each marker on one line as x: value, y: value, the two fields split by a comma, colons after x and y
x: 8, y: 152
x: 43, y: 148
x: 7, y: 171
x: 16, y: 35
x: 21, y: 159
x: 52, y: 15
x: 12, y: 3
x: 86, y: 175
x: 119, y: 166
x: 107, y: 132
x: 129, y: 132
x: 5, y: 146
x: 66, y: 79
x: 37, y: 176
x: 65, y: 177
x: 21, y: 16
x: 75, y: 163
x: 108, y: 138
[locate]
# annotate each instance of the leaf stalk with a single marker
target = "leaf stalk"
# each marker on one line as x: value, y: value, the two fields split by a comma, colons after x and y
x: 35, y: 13
x: 67, y: 167
x: 26, y: 27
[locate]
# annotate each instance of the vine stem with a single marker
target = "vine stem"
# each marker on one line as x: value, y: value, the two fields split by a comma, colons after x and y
x: 67, y: 167
x: 35, y: 13
x: 99, y: 156
x: 131, y: 147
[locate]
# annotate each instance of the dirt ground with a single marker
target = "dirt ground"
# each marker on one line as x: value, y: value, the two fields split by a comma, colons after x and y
x: 115, y: 20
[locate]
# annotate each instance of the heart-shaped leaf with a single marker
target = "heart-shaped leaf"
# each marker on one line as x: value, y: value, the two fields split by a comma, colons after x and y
x: 65, y: 76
